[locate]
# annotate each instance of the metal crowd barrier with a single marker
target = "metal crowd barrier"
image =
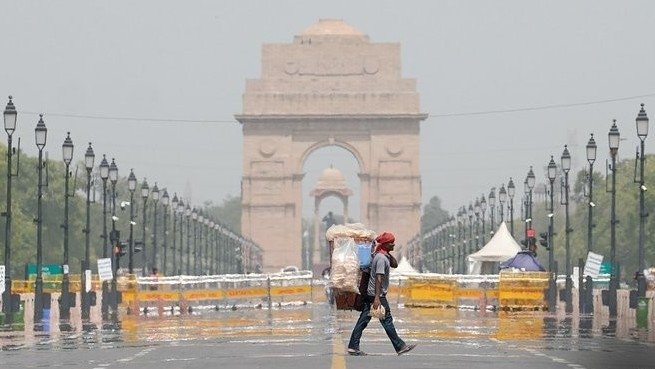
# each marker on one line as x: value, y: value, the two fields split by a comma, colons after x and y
x: 182, y: 294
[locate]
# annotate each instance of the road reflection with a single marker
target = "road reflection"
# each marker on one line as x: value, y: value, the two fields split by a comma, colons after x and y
x: 319, y: 321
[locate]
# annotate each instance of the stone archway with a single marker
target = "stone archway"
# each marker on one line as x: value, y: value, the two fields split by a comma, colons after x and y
x: 330, y: 87
x: 331, y: 183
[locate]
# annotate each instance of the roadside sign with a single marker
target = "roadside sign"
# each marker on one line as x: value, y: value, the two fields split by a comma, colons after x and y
x: 46, y: 270
x: 104, y: 269
x: 87, y: 280
x: 2, y: 279
x: 606, y: 267
x: 592, y: 267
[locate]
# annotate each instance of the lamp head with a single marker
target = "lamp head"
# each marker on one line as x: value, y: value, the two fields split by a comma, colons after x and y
x: 642, y: 123
x: 492, y: 197
x: 67, y: 149
x: 502, y: 194
x: 613, y: 137
x: 131, y: 181
x: 113, y: 171
x: 145, y: 190
x: 552, y: 169
x: 104, y: 168
x: 89, y: 158
x: 10, y: 116
x: 531, y: 179
x: 165, y: 199
x: 566, y: 160
x: 591, y: 150
x: 40, y: 133
x: 511, y: 189
x: 155, y: 192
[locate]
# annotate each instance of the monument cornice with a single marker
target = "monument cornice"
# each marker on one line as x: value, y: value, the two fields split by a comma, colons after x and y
x: 282, y: 118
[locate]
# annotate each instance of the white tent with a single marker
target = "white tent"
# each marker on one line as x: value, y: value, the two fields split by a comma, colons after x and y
x: 500, y: 247
x: 404, y: 267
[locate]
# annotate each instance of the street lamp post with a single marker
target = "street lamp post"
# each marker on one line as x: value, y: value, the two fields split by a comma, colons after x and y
x: 145, y: 192
x: 155, y: 201
x: 40, y: 133
x: 10, y: 116
x: 469, y: 251
x: 642, y: 132
x: 180, y: 210
x: 198, y: 245
x: 525, y: 211
x: 212, y: 236
x: 591, y: 158
x: 552, y: 285
x: 206, y: 253
x: 114, y: 239
x: 511, y: 190
x: 89, y: 158
x: 187, y: 213
x: 104, y: 175
x: 165, y: 200
x: 131, y: 186
x: 220, y: 248
x: 492, y: 210
x: 174, y: 204
x: 483, y: 208
x: 502, y: 198
x: 531, y: 182
x: 585, y: 294
x: 67, y: 153
x: 566, y: 167
x: 613, y: 138
x: 476, y: 212
x: 194, y: 216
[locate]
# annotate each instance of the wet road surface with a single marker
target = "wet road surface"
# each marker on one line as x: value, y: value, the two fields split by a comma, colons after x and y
x: 315, y: 336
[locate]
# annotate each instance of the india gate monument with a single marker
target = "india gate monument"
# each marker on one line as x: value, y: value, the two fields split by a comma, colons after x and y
x: 331, y: 86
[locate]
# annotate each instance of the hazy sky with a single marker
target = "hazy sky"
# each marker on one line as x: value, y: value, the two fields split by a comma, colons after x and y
x: 155, y: 84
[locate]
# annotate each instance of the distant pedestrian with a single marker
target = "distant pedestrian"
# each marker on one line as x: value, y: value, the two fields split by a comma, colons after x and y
x: 155, y: 275
x: 376, y: 296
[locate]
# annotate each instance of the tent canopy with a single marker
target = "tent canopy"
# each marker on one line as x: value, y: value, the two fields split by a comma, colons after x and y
x: 404, y: 267
x: 525, y: 261
x: 500, y: 247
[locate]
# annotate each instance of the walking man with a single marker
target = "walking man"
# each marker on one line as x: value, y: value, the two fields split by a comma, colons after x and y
x: 376, y: 296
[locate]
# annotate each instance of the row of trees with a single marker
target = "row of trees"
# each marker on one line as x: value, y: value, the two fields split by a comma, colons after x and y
x: 24, y: 211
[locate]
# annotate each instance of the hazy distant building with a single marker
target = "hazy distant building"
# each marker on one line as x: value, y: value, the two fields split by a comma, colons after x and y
x: 330, y: 87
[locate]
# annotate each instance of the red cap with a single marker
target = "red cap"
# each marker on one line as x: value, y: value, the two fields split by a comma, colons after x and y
x: 385, y: 237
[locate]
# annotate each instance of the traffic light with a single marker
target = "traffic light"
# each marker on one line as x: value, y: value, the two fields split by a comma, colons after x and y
x: 524, y: 242
x: 138, y: 246
x: 120, y: 249
x: 543, y: 240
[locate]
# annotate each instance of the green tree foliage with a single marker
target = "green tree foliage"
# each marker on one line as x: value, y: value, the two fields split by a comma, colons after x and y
x: 229, y: 212
x: 433, y: 214
x: 24, y: 210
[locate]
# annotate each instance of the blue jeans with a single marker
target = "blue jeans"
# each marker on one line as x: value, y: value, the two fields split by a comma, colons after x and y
x: 387, y: 324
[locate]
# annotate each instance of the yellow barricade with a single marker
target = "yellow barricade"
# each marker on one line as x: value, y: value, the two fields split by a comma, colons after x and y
x: 290, y: 290
x: 248, y: 292
x: 429, y: 293
x: 199, y: 295
x: 522, y: 289
x: 22, y: 286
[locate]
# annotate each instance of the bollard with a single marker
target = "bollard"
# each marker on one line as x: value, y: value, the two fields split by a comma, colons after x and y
x: 642, y: 312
